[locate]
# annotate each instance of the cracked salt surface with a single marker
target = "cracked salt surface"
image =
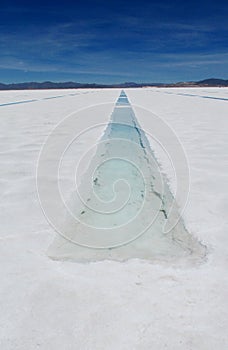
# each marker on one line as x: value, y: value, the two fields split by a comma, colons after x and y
x: 123, y: 202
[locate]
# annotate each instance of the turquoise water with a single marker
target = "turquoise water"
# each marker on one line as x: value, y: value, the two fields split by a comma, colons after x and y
x: 34, y: 100
x: 122, y: 203
x: 194, y: 95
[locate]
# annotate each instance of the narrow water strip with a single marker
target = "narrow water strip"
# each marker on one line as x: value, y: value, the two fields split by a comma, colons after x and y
x: 122, y: 203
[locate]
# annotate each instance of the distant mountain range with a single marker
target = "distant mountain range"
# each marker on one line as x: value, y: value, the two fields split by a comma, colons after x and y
x: 73, y: 85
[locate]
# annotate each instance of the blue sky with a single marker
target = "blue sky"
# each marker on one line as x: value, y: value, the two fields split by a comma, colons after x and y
x: 113, y: 41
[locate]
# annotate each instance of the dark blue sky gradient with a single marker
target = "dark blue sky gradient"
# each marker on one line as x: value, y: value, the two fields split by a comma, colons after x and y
x: 113, y: 41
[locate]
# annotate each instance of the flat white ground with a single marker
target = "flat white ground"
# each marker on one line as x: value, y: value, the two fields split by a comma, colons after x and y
x: 48, y: 304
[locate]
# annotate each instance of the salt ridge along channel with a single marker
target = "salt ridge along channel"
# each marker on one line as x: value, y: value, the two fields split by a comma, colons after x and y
x: 121, y: 205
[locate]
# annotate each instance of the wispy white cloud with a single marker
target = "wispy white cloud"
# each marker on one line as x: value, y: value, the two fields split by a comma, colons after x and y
x: 120, y: 44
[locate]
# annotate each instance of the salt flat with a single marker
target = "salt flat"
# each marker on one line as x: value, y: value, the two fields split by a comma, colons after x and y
x: 47, y: 304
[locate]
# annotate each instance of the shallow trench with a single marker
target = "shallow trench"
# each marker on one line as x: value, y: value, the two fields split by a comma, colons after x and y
x: 123, y: 202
